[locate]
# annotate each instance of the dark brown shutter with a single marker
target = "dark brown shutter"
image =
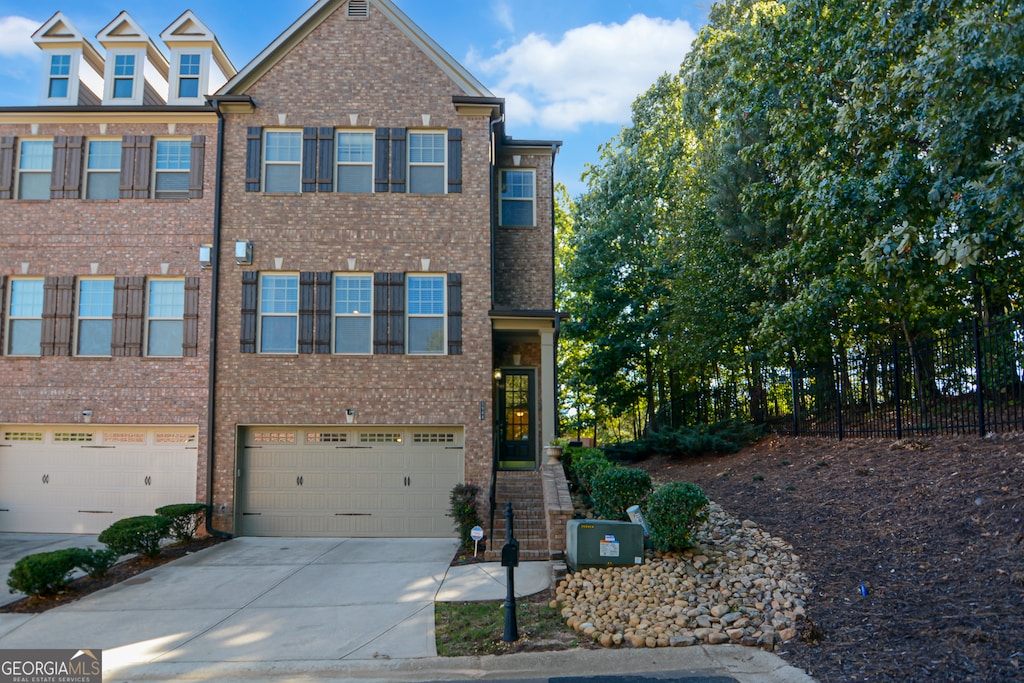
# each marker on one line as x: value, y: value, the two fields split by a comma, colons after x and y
x: 454, y: 314
x: 73, y: 171
x: 253, y: 161
x: 322, y: 340
x: 49, y: 316
x: 136, y: 316
x: 380, y: 312
x: 3, y: 300
x: 120, y: 323
x: 309, y: 146
x: 381, y: 165
x: 6, y: 166
x: 60, y: 164
x: 196, y: 167
x: 396, y: 313
x: 249, y: 302
x: 454, y: 160
x: 58, y: 311
x: 398, y: 156
x: 190, y: 325
x: 307, y: 311
x: 325, y: 163
x: 127, y: 165
x: 143, y: 157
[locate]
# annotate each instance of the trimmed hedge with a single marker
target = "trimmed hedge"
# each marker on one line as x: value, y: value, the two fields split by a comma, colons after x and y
x: 96, y: 562
x: 137, y: 535
x: 43, y: 573
x: 673, y: 513
x: 185, y: 518
x: 617, y: 488
x: 584, y: 465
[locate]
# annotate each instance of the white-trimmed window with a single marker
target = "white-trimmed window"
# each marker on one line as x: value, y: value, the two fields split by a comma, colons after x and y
x: 24, y: 331
x: 355, y: 162
x: 103, y: 169
x: 35, y: 164
x: 165, y: 317
x: 427, y: 163
x: 279, y: 313
x: 59, y: 84
x: 518, y: 205
x: 189, y: 70
x: 95, y: 316
x: 425, y: 314
x: 282, y: 161
x: 124, y: 72
x: 353, y: 314
x: 171, y: 169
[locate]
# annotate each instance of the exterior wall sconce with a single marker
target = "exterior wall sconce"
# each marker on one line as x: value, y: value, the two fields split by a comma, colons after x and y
x: 497, y: 374
x: 243, y: 253
x: 205, y: 256
x: 350, y: 416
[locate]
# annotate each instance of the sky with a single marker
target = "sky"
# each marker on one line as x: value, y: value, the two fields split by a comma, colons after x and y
x: 568, y: 69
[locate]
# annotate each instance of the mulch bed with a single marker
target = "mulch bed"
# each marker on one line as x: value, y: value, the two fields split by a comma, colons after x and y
x: 915, y: 549
x: 123, y: 571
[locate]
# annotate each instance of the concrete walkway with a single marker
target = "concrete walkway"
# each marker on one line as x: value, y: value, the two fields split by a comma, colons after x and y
x: 325, y: 609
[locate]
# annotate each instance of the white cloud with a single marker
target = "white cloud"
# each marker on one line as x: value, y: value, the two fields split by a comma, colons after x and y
x: 16, y: 37
x: 503, y: 15
x: 591, y: 75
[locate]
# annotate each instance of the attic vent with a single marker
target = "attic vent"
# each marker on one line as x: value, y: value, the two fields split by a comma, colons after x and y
x: 358, y: 9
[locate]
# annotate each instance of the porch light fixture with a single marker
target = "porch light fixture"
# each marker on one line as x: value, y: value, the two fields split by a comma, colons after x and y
x: 243, y: 253
x: 205, y: 256
x: 350, y: 416
x: 497, y: 374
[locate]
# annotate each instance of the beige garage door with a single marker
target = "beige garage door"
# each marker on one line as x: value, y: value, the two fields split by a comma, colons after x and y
x: 81, y: 478
x: 339, y: 482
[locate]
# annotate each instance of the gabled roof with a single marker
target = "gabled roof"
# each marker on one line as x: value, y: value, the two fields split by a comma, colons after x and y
x: 59, y: 32
x: 189, y: 30
x: 316, y: 14
x: 124, y: 30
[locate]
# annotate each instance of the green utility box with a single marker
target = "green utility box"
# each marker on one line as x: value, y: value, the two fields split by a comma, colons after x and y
x: 603, y: 543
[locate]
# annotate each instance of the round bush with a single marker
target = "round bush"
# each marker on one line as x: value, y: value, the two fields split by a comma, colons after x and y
x: 185, y: 518
x: 618, y: 488
x: 673, y: 513
x: 587, y: 463
x: 137, y: 535
x: 43, y: 573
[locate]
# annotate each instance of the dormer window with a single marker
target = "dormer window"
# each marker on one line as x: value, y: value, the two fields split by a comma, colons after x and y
x: 124, y: 77
x: 60, y: 77
x: 188, y: 75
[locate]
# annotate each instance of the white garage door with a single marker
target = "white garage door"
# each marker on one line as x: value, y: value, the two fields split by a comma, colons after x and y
x: 338, y: 482
x: 81, y: 478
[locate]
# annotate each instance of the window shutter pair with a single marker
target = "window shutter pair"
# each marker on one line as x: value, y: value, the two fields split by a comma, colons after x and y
x: 136, y: 161
x: 312, y: 290
x: 317, y: 159
x: 66, y: 172
x: 389, y: 313
x: 390, y: 160
x: 129, y: 312
x: 6, y: 166
x: 58, y: 311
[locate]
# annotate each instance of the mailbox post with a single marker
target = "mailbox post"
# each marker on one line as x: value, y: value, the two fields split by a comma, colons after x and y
x: 510, y: 560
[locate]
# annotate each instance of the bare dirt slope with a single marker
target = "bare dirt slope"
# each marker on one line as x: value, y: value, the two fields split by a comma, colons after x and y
x: 930, y: 528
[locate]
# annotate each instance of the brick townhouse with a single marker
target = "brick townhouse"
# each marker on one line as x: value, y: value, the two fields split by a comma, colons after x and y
x: 379, y: 251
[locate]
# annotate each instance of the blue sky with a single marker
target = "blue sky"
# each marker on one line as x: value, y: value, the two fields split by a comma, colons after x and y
x: 568, y: 69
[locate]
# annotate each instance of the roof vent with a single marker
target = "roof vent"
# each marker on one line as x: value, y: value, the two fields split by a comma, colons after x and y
x: 358, y: 9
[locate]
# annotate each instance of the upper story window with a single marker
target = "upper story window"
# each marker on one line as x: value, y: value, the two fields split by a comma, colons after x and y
x: 279, y: 313
x: 426, y: 163
x: 189, y: 70
x: 35, y: 163
x: 124, y: 77
x: 95, y: 316
x: 425, y: 314
x: 353, y: 314
x: 165, y: 317
x: 60, y: 77
x: 24, y: 331
x: 518, y: 208
x: 171, y: 169
x: 355, y: 162
x: 282, y: 161
x: 103, y: 169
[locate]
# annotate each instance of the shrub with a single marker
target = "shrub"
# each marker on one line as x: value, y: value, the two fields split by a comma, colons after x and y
x: 585, y: 464
x: 463, y: 511
x: 617, y: 488
x: 96, y: 562
x: 673, y: 512
x: 137, y: 535
x: 185, y: 518
x: 43, y: 573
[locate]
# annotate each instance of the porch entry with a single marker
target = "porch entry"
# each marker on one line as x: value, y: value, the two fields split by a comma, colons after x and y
x: 517, y: 422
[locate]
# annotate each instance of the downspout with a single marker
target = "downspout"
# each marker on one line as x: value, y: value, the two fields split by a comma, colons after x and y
x: 214, y: 287
x: 492, y: 500
x: 554, y: 288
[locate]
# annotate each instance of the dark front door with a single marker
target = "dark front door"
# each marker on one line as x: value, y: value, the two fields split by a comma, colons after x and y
x: 516, y: 410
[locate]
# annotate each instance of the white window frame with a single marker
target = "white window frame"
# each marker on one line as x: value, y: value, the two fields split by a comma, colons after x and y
x: 365, y: 280
x: 17, y: 314
x: 505, y: 196
x: 22, y: 171
x: 291, y: 310
x: 66, y: 77
x: 81, y: 316
x: 91, y: 172
x: 266, y: 162
x: 361, y: 163
x: 411, y: 316
x: 180, y: 77
x: 172, y: 311
x: 137, y: 77
x: 182, y: 192
x: 432, y: 163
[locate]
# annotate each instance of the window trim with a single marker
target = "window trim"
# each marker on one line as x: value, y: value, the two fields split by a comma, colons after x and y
x: 180, y: 77
x: 532, y: 199
x: 51, y: 77
x: 443, y: 164
x: 367, y: 315
x: 441, y: 317
x: 48, y: 171
x: 112, y: 78
x: 267, y: 132
x: 79, y: 318
x: 113, y: 171
x: 12, y: 318
x: 186, y: 143
x: 369, y: 165
x: 150, y: 318
x: 260, y: 314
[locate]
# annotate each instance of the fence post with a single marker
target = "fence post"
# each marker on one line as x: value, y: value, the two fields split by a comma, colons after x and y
x: 796, y: 403
x: 978, y: 367
x: 897, y: 380
x: 837, y: 378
